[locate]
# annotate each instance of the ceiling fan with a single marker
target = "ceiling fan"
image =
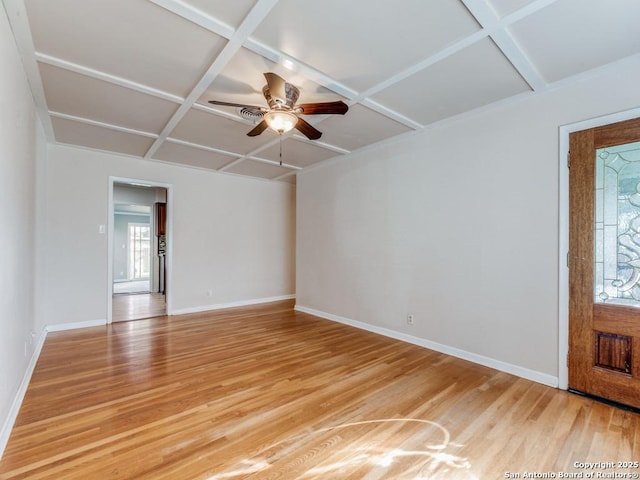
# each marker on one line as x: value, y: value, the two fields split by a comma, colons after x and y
x: 282, y: 114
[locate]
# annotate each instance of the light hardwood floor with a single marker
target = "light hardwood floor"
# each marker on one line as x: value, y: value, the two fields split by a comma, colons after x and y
x: 137, y: 306
x: 265, y: 392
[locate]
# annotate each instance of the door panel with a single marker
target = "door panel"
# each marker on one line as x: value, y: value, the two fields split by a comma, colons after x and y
x: 604, y: 262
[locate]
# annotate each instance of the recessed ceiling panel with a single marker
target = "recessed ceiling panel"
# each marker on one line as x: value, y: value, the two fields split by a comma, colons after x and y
x: 297, y: 153
x: 242, y: 81
x: 360, y: 126
x: 571, y: 36
x: 211, y: 130
x: 362, y: 43
x: 231, y: 13
x: 86, y: 97
x: 254, y: 168
x: 76, y: 133
x: 473, y: 77
x: 193, y: 157
x: 132, y: 39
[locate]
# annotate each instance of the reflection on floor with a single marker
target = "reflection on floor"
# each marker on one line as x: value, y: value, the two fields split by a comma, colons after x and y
x: 137, y: 306
x: 134, y: 286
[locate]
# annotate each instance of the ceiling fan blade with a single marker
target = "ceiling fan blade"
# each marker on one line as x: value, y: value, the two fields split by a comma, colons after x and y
x: 325, y: 108
x: 308, y: 130
x: 258, y: 129
x: 277, y: 87
x: 239, y: 105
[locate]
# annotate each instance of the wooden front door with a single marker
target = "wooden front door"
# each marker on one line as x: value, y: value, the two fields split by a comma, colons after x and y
x: 604, y: 262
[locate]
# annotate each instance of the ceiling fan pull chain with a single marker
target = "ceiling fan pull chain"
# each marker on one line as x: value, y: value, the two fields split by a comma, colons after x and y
x: 280, y: 150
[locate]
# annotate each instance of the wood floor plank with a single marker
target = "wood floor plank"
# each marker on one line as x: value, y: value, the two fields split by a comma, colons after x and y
x: 266, y: 392
x: 136, y: 306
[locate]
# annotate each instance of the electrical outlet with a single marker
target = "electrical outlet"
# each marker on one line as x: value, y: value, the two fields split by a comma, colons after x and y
x: 410, y: 319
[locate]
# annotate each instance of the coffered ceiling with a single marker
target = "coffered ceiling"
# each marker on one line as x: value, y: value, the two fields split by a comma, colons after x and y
x: 134, y: 76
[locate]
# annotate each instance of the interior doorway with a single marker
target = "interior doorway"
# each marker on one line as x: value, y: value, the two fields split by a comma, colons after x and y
x: 138, y: 251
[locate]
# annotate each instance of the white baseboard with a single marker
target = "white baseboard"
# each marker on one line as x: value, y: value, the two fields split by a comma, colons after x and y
x: 516, y: 370
x: 5, y: 433
x: 220, y: 306
x: 61, y: 327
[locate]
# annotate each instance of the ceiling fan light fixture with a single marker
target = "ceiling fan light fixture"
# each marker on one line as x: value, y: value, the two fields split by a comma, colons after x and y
x: 282, y: 114
x: 281, y: 122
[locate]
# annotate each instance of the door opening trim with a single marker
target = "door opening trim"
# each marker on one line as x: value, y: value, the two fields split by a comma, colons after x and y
x: 110, y: 233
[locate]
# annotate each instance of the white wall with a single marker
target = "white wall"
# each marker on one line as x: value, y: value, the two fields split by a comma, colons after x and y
x: 234, y: 236
x: 21, y: 150
x: 457, y: 225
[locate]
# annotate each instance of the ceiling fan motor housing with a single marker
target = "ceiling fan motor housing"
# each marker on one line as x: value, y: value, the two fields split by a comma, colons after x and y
x: 291, y: 91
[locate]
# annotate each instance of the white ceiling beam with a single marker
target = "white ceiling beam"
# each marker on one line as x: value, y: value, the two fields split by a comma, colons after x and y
x: 521, y: 62
x: 252, y: 20
x: 226, y: 167
x: 298, y: 137
x: 196, y: 16
x: 488, y: 19
x: 97, y: 123
x: 293, y: 134
x: 237, y: 157
x: 317, y: 76
x: 392, y: 114
x: 221, y: 113
x: 235, y: 162
x: 203, y: 147
x: 17, y: 15
x: 427, y: 62
x: 106, y: 77
x: 273, y: 162
x: 253, y: 153
x: 525, y: 11
x: 485, y: 31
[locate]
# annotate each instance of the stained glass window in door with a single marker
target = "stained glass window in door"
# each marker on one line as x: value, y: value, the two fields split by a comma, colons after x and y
x: 617, y: 225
